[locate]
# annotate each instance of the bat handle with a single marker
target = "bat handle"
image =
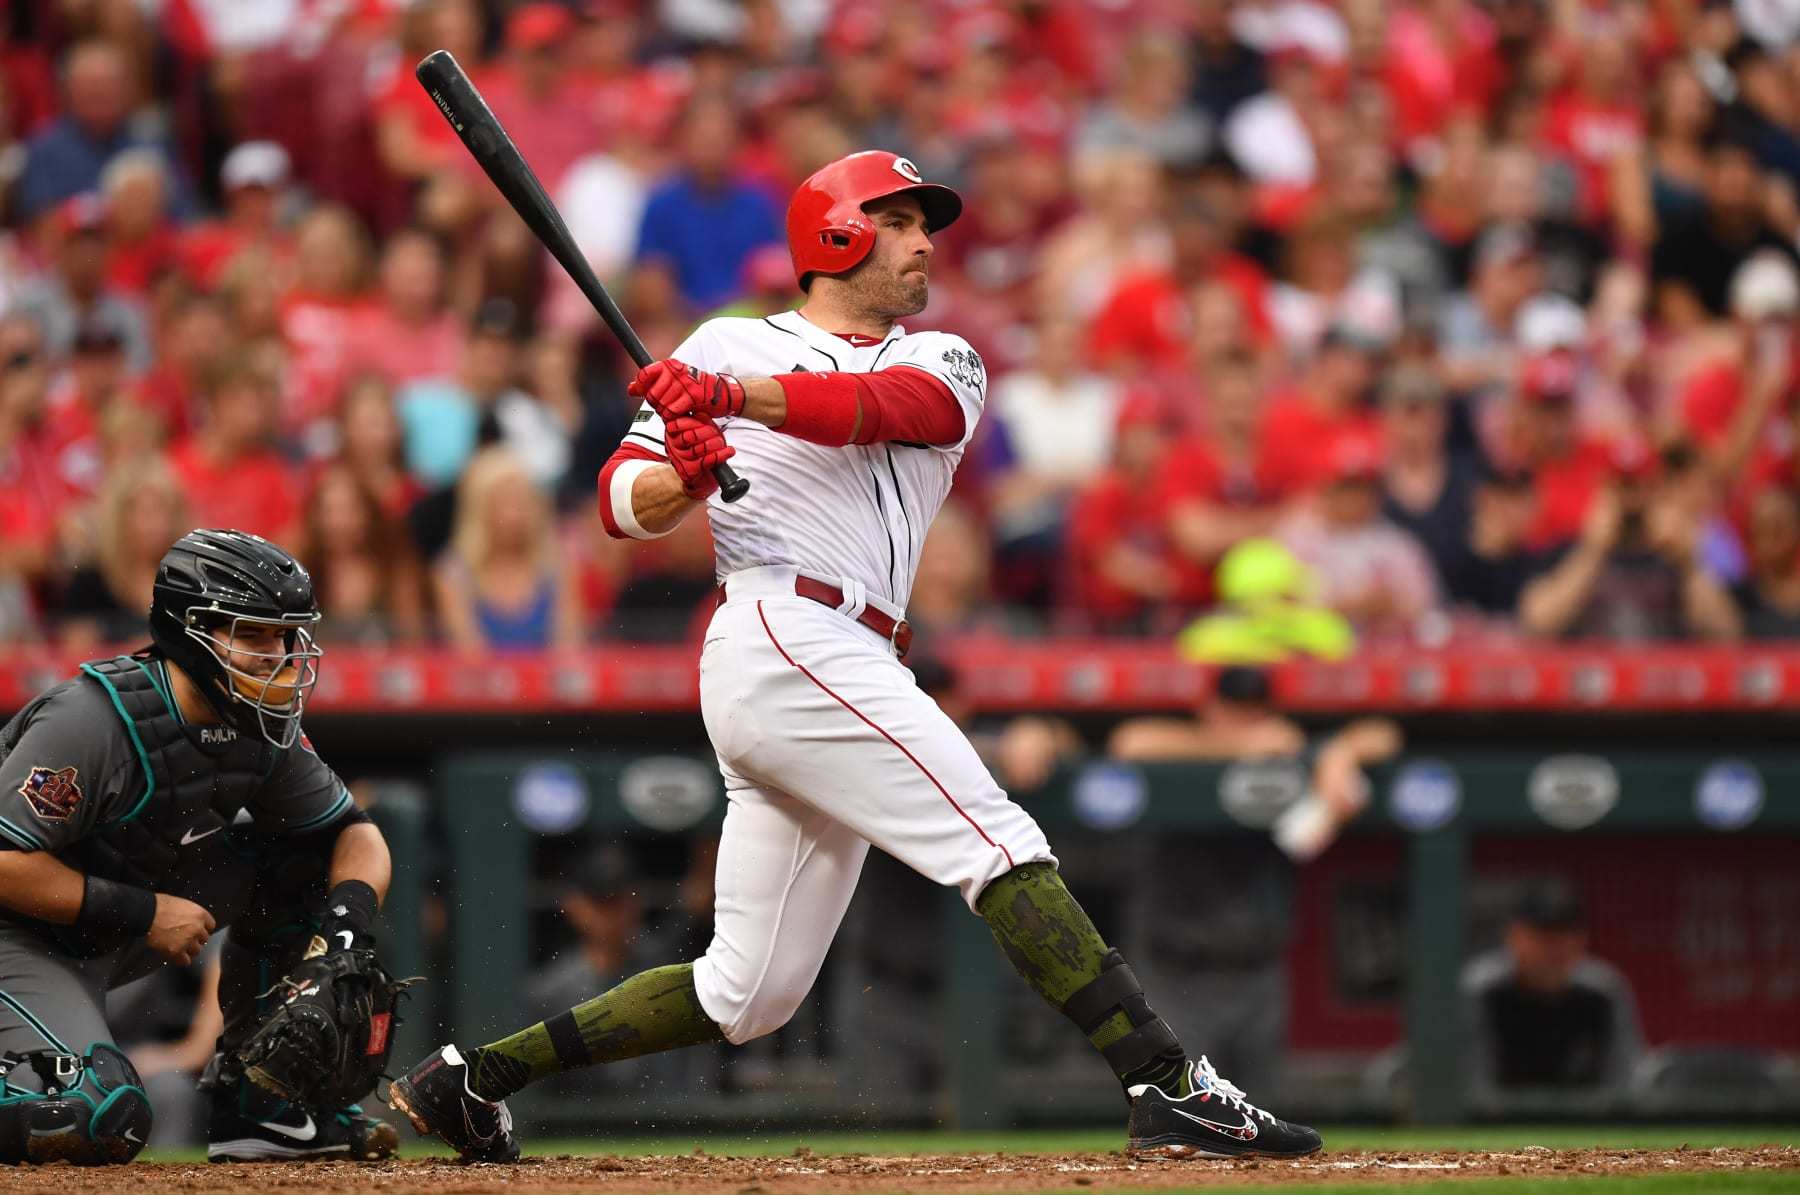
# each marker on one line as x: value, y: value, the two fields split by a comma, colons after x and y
x: 731, y: 486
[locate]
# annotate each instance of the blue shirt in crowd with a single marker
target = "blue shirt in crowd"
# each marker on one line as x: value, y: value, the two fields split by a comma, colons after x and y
x: 65, y: 160
x: 704, y: 235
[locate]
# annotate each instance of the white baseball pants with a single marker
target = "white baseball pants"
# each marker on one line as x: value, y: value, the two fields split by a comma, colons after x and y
x: 827, y: 746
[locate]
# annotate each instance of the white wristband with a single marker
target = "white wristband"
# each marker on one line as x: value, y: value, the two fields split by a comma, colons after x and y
x: 624, y: 514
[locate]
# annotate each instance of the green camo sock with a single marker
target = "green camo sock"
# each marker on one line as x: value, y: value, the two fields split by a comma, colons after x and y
x: 1054, y: 947
x: 651, y: 1012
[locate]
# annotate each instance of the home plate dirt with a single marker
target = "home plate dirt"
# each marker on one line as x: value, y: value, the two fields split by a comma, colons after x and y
x: 804, y: 1172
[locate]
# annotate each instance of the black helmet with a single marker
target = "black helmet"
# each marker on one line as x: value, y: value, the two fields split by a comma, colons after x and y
x: 231, y: 579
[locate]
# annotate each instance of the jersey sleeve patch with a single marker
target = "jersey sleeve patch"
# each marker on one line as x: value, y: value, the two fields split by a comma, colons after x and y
x: 964, y: 365
x: 52, y: 793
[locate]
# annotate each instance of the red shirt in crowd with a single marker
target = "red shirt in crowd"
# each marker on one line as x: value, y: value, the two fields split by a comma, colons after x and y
x: 1429, y: 81
x: 206, y: 249
x: 1565, y: 488
x: 1591, y: 135
x: 32, y: 493
x: 1113, y: 508
x: 256, y: 492
x: 1149, y: 320
x: 317, y: 329
x: 1301, y: 440
x: 403, y: 352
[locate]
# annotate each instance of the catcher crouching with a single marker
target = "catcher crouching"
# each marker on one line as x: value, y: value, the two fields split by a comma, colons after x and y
x: 145, y: 804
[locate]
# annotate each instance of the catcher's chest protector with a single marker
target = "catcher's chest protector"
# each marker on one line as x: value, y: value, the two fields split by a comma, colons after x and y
x: 184, y: 783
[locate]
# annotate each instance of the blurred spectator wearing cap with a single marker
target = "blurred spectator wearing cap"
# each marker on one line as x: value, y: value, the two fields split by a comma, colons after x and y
x: 1426, y: 491
x: 1144, y: 111
x: 1694, y: 259
x: 1328, y: 404
x: 1369, y: 570
x: 364, y: 569
x: 254, y: 180
x: 1541, y: 1012
x: 1476, y: 327
x: 75, y: 291
x: 1535, y: 429
x: 1636, y: 573
x: 407, y: 334
x: 1273, y: 134
x: 229, y: 467
x: 503, y: 585
x: 1147, y: 320
x: 102, y: 118
x: 141, y: 512
x: 703, y: 222
x: 1732, y: 401
x: 79, y: 400
x: 1768, y: 600
x: 535, y: 94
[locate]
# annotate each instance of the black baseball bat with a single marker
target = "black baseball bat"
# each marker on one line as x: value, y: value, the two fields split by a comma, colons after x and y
x: 456, y: 97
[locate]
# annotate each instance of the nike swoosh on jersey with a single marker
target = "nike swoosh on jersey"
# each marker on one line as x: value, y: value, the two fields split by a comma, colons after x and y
x: 1243, y: 1132
x: 190, y: 837
x: 305, y: 1132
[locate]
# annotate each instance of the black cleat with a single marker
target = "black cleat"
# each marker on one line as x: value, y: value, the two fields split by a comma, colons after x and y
x: 253, y: 1129
x: 435, y: 1096
x: 1213, y: 1120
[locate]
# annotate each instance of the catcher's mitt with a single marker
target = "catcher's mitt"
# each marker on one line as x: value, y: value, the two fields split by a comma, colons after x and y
x: 328, y: 1040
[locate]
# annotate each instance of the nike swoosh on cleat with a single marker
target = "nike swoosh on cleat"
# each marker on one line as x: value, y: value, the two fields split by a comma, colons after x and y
x: 1244, y: 1132
x: 189, y: 838
x: 305, y: 1132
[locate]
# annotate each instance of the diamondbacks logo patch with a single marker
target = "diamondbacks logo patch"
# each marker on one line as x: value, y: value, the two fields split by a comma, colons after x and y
x: 52, y: 792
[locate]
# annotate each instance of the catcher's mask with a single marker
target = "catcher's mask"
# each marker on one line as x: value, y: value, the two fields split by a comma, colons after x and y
x: 237, y: 613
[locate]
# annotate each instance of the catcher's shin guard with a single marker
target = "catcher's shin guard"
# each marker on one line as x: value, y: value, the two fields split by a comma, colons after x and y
x: 92, y: 1109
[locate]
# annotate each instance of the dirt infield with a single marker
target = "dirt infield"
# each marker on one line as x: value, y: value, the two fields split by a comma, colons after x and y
x: 805, y: 1172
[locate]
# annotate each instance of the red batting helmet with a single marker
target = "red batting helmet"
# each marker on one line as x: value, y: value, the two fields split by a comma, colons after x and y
x: 828, y: 231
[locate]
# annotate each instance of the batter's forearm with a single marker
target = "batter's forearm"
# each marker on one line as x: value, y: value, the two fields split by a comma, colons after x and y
x: 658, y: 502
x: 765, y: 401
x: 40, y: 885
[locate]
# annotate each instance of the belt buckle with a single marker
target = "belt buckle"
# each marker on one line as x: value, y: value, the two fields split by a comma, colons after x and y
x: 901, y: 627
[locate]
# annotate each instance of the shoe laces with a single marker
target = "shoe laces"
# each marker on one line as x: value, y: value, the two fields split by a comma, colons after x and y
x: 1204, y: 1078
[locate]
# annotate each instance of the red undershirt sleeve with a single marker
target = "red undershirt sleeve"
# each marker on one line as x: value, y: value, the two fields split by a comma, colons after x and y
x: 900, y: 403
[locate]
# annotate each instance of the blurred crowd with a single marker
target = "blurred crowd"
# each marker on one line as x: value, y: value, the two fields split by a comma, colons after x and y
x: 1483, y: 311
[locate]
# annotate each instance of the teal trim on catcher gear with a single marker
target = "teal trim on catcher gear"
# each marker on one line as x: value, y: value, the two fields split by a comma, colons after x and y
x: 93, y: 1109
x: 23, y: 837
x: 118, y: 704
x: 31, y: 1019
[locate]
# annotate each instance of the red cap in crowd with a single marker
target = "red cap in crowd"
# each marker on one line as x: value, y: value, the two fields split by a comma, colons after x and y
x: 85, y: 212
x: 1633, y: 459
x: 1550, y: 377
x: 538, y: 26
x: 1356, y: 458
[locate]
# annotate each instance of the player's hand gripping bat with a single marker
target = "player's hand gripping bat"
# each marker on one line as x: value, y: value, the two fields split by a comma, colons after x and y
x: 455, y: 96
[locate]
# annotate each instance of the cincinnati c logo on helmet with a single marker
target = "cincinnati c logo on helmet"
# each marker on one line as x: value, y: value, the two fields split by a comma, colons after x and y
x: 907, y: 171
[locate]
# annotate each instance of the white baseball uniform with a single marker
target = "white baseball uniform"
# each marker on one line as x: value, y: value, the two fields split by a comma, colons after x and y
x: 825, y: 742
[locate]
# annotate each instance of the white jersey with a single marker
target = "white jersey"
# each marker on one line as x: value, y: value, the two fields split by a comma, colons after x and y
x: 859, y: 511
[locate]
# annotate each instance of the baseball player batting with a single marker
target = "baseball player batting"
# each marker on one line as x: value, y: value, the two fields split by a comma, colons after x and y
x: 854, y: 427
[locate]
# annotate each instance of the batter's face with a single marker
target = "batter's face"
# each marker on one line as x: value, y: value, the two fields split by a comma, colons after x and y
x: 894, y: 280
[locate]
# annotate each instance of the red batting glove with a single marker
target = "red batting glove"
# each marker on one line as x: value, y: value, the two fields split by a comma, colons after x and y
x: 695, y: 447
x: 675, y: 389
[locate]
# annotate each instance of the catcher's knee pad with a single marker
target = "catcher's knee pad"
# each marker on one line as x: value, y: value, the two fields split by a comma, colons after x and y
x: 1115, y: 990
x: 92, y: 1109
